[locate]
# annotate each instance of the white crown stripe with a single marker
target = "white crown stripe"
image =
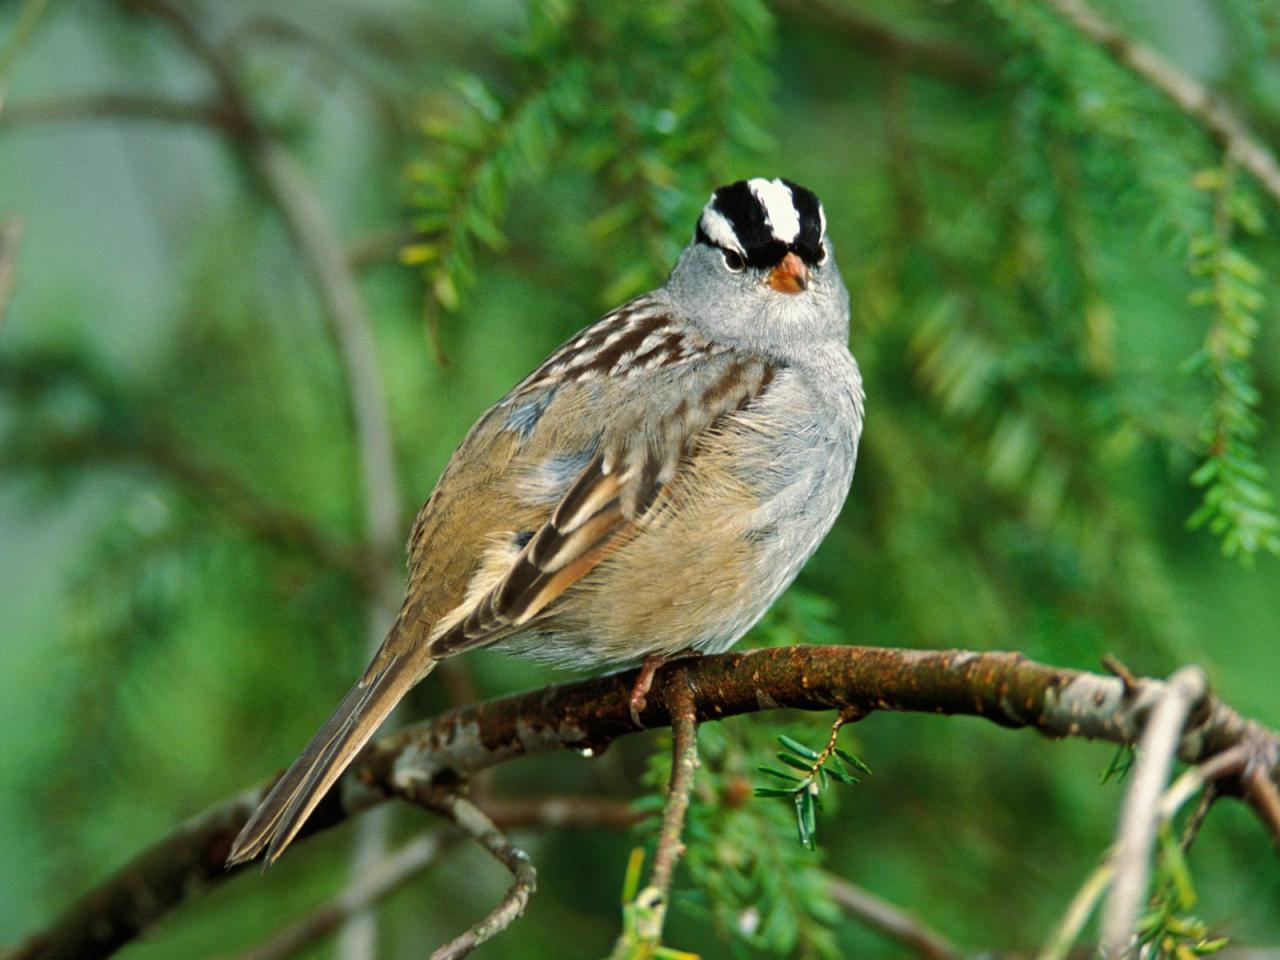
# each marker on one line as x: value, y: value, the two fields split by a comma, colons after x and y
x: 779, y: 208
x: 720, y: 231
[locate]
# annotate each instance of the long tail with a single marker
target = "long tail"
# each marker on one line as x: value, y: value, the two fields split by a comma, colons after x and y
x: 281, y: 815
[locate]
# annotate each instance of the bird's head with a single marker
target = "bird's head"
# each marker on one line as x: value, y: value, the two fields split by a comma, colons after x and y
x: 760, y: 269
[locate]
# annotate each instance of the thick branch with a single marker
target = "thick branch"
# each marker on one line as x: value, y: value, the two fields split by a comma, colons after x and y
x: 1190, y: 96
x: 1002, y: 687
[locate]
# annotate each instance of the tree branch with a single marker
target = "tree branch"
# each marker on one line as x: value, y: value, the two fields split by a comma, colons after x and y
x: 151, y: 448
x: 684, y: 762
x: 1002, y: 687
x: 1260, y: 790
x: 646, y: 913
x: 404, y: 865
x: 1140, y: 817
x: 1144, y: 816
x: 326, y: 261
x: 484, y: 831
x: 891, y: 921
x: 1067, y: 930
x: 1187, y: 93
x: 388, y: 876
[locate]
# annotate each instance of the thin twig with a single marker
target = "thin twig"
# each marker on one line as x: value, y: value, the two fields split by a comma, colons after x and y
x: 220, y: 70
x: 1116, y: 666
x: 1140, y: 816
x: 645, y: 916
x: 570, y: 810
x: 1228, y: 763
x: 684, y: 761
x: 154, y: 449
x: 12, y: 229
x: 402, y: 866
x: 1067, y: 930
x: 388, y: 876
x: 891, y: 921
x: 378, y: 247
x: 1204, y: 776
x: 1186, y: 92
x: 1191, y: 829
x: 484, y: 831
x: 336, y: 60
x: 326, y: 260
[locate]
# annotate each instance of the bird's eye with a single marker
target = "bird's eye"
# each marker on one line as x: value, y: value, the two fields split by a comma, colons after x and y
x: 733, y: 262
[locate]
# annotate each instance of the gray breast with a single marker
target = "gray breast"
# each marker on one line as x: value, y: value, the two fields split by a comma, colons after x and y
x: 801, y: 447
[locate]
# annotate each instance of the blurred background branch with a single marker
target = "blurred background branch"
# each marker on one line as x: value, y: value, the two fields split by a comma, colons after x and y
x: 119, y: 106
x: 321, y: 252
x: 1189, y: 94
x: 11, y: 231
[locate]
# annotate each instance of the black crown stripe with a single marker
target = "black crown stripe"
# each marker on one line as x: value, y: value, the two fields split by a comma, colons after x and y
x: 739, y: 205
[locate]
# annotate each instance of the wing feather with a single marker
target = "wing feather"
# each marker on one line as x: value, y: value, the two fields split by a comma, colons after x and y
x: 566, y: 548
x: 606, y: 505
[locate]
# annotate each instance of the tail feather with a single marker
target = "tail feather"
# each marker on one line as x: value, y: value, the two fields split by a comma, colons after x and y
x: 281, y: 815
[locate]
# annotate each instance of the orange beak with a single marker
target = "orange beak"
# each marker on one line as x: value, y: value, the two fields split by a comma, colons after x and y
x: 790, y: 276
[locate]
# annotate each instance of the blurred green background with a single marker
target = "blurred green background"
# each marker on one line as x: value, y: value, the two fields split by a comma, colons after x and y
x: 1063, y: 307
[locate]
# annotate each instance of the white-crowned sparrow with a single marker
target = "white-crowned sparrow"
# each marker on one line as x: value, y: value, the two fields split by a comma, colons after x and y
x: 648, y: 490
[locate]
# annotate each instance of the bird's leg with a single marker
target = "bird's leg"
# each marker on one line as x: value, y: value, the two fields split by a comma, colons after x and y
x: 644, y: 679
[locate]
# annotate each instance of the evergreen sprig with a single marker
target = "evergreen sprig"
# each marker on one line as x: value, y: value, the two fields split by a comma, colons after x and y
x: 1237, y: 505
x: 817, y: 769
x: 486, y: 145
x: 1120, y: 764
x: 1167, y: 931
x: 677, y: 97
x: 1119, y: 111
x: 684, y: 91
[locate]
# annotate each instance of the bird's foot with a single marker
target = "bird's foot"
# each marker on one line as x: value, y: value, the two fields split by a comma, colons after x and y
x: 644, y: 679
